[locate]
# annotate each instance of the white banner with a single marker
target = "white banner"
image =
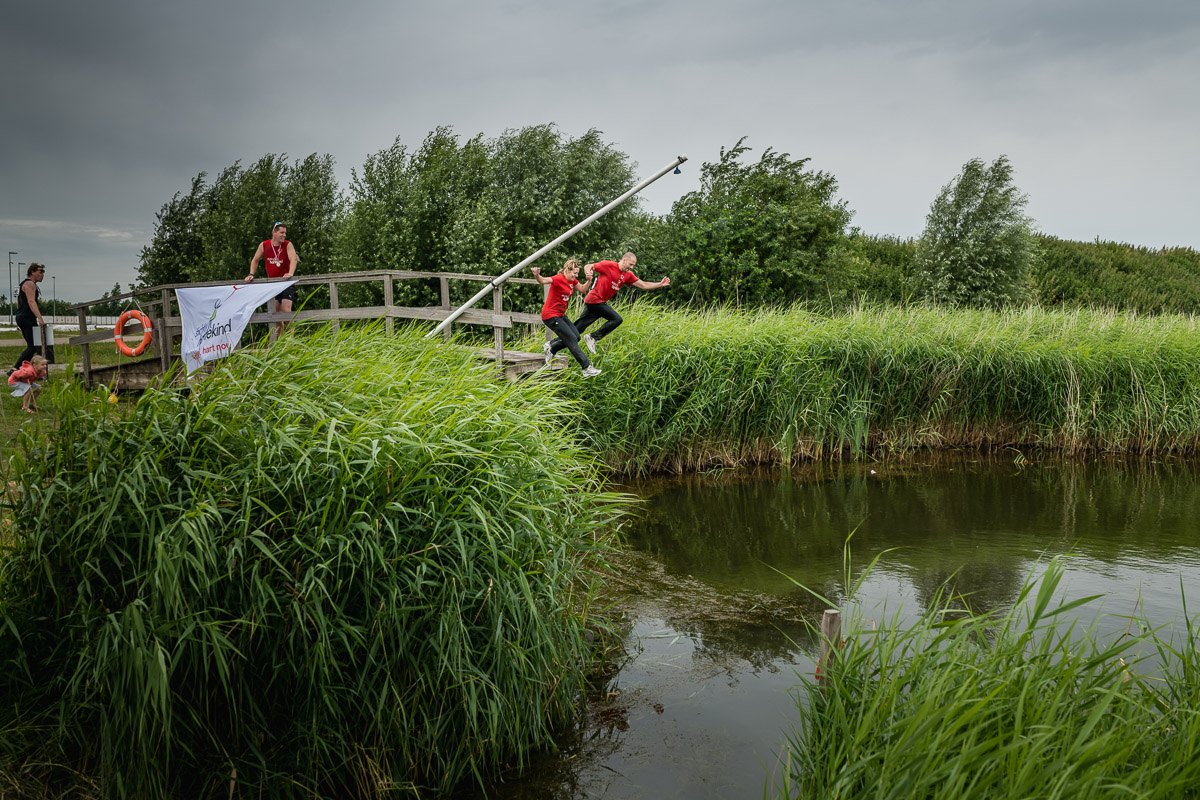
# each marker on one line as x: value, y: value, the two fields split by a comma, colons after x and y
x: 215, y: 316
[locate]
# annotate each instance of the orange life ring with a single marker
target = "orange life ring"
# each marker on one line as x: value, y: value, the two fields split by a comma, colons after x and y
x: 147, y: 332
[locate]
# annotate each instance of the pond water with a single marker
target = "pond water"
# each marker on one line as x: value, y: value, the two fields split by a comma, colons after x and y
x: 704, y: 699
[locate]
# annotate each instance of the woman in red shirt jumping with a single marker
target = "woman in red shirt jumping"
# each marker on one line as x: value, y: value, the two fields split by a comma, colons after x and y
x: 554, y: 311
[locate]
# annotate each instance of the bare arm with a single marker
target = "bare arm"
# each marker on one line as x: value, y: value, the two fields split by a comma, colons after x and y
x: 537, y: 274
x: 646, y: 285
x: 31, y: 296
x: 254, y: 262
x: 585, y: 287
x: 293, y: 260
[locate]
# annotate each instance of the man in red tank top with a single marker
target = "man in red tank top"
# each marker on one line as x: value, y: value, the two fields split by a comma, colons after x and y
x: 281, y: 262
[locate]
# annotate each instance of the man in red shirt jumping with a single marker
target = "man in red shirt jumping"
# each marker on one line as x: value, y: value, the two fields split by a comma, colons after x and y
x: 610, y: 277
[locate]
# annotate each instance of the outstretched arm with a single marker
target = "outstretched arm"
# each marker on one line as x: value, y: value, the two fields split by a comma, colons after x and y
x: 537, y: 274
x: 646, y: 285
x: 254, y: 262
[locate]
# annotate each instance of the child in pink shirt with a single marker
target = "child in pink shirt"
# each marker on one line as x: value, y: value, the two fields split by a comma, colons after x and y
x: 23, y: 382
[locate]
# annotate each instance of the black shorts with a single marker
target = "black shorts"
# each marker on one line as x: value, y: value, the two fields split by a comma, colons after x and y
x: 287, y: 294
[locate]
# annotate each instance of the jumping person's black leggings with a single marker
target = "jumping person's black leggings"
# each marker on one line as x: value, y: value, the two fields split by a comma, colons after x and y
x: 595, y: 311
x: 568, y: 337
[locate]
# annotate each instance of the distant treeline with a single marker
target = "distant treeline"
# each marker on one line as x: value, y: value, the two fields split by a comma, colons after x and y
x: 770, y: 232
x: 1071, y: 274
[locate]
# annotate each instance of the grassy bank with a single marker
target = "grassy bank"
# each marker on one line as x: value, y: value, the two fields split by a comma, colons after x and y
x: 355, y: 564
x: 1026, y: 705
x: 687, y: 390
x: 346, y: 566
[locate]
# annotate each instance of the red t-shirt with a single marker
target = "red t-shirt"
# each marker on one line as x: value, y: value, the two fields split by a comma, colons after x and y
x: 609, y: 279
x: 559, y: 296
x: 275, y: 258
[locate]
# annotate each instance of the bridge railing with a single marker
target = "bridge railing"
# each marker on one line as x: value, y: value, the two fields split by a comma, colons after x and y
x: 159, y: 304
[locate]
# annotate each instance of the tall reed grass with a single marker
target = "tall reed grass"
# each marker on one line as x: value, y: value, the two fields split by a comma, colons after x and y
x: 682, y: 390
x: 349, y: 565
x: 1030, y: 704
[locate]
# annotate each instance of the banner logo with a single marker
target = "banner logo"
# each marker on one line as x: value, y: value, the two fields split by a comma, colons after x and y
x: 214, y: 318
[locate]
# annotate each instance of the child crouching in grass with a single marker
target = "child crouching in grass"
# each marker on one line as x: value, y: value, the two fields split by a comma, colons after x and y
x: 22, y: 380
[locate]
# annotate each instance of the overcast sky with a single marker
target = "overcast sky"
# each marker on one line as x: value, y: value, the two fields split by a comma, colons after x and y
x: 110, y: 108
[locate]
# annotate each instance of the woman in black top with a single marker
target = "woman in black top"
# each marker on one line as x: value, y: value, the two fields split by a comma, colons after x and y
x: 28, y: 314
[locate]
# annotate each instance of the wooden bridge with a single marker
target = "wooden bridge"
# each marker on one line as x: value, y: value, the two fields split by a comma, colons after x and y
x: 159, y: 304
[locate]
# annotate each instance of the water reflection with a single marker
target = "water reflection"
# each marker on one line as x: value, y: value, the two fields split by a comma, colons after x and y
x: 985, y: 522
x: 718, y: 630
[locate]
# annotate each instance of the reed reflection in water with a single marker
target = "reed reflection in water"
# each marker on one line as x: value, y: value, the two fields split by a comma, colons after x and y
x: 986, y: 522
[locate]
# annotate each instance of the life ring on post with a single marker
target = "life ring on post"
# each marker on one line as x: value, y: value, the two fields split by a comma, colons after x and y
x: 119, y: 330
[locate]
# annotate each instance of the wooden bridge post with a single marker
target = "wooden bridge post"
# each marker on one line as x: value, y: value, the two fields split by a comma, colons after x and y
x: 387, y: 303
x: 86, y: 348
x: 163, y: 337
x: 333, y: 305
x: 166, y: 347
x: 445, y: 289
x: 498, y: 332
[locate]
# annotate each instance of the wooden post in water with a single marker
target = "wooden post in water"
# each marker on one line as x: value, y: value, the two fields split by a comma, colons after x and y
x: 831, y: 631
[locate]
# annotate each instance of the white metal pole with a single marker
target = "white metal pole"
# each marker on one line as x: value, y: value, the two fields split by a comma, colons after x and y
x: 495, y: 282
x: 11, y: 300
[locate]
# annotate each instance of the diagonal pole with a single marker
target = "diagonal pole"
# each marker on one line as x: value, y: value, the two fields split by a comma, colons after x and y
x: 495, y: 282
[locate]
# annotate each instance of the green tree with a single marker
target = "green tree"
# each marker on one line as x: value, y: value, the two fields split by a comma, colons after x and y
x: 111, y: 308
x: 757, y: 233
x: 979, y: 247
x: 314, y: 210
x: 176, y: 248
x: 480, y: 206
x: 211, y: 233
x: 540, y: 184
x: 403, y: 204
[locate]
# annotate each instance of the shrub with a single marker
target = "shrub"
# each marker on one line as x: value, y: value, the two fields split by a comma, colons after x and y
x: 341, y: 566
x: 978, y: 247
x: 1029, y: 704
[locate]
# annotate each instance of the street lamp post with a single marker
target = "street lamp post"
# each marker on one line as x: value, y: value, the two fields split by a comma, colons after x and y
x: 11, y: 319
x: 54, y: 295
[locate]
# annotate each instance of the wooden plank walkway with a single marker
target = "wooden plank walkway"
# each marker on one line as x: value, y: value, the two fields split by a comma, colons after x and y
x: 515, y: 364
